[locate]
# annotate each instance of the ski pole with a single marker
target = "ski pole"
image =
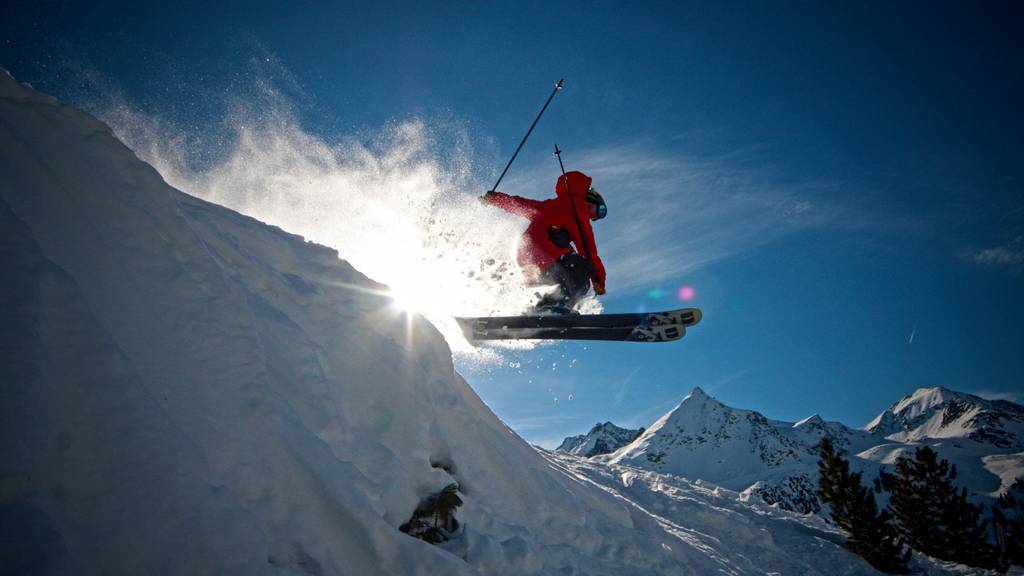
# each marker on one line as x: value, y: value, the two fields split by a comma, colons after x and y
x: 572, y: 203
x: 516, y: 153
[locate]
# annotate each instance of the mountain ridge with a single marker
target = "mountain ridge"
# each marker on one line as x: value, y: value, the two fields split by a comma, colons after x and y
x: 702, y: 438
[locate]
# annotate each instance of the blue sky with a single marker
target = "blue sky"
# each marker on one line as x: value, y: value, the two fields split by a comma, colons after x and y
x: 842, y: 186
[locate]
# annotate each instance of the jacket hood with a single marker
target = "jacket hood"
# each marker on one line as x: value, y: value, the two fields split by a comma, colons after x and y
x: 579, y: 183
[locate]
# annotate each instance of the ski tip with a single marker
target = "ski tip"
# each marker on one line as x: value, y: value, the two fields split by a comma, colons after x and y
x: 466, y: 324
x: 697, y: 316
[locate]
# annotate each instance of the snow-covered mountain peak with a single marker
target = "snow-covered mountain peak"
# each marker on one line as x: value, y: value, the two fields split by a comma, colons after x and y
x: 703, y: 438
x: 741, y: 449
x: 898, y: 417
x: 934, y: 413
x: 697, y: 393
x: 696, y: 405
x: 602, y: 439
x: 697, y: 400
x: 923, y: 400
x: 812, y: 421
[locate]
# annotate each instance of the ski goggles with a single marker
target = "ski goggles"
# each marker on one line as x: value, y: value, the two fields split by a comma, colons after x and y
x: 596, y: 199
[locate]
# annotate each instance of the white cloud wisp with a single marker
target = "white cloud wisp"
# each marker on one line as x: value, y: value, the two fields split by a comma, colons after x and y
x: 671, y: 214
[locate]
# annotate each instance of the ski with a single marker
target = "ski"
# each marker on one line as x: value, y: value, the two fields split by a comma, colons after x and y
x: 663, y: 333
x: 664, y: 326
x: 684, y: 316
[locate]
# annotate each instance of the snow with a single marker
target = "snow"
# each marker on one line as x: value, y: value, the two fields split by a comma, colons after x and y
x: 983, y: 438
x: 777, y: 461
x: 190, y: 390
x: 811, y: 421
x: 399, y: 204
x: 702, y: 438
x: 602, y: 439
x: 1008, y: 467
x: 942, y: 413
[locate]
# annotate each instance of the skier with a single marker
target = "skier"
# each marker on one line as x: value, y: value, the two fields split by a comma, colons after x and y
x: 546, y: 250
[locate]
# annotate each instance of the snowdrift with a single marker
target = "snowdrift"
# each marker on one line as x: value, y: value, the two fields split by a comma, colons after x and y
x: 187, y: 390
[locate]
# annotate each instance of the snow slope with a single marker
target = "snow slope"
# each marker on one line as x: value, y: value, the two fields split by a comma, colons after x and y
x: 187, y: 390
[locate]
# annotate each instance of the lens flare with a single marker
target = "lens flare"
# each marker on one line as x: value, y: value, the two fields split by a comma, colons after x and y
x: 686, y: 293
x: 655, y: 293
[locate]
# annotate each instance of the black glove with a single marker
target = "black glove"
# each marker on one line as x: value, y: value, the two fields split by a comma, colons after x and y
x: 559, y: 237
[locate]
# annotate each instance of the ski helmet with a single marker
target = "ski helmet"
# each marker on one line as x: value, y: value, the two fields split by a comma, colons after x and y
x: 594, y: 198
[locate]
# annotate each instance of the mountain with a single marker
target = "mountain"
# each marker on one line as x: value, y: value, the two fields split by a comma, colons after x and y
x: 703, y: 438
x: 934, y: 413
x: 188, y: 390
x: 602, y: 439
x: 738, y: 449
x: 776, y: 461
x: 983, y: 438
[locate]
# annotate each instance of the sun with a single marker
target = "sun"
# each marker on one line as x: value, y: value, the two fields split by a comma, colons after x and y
x: 405, y: 301
x: 413, y: 298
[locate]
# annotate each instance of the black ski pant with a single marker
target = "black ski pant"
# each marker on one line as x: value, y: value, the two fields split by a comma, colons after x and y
x: 571, y: 273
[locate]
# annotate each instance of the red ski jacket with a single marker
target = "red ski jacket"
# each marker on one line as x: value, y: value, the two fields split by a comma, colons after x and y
x: 537, y: 250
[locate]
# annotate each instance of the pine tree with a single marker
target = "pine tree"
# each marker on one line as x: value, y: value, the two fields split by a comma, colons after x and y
x: 1008, y: 524
x: 934, y: 517
x: 914, y: 501
x: 966, y: 535
x: 833, y: 487
x: 853, y: 508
